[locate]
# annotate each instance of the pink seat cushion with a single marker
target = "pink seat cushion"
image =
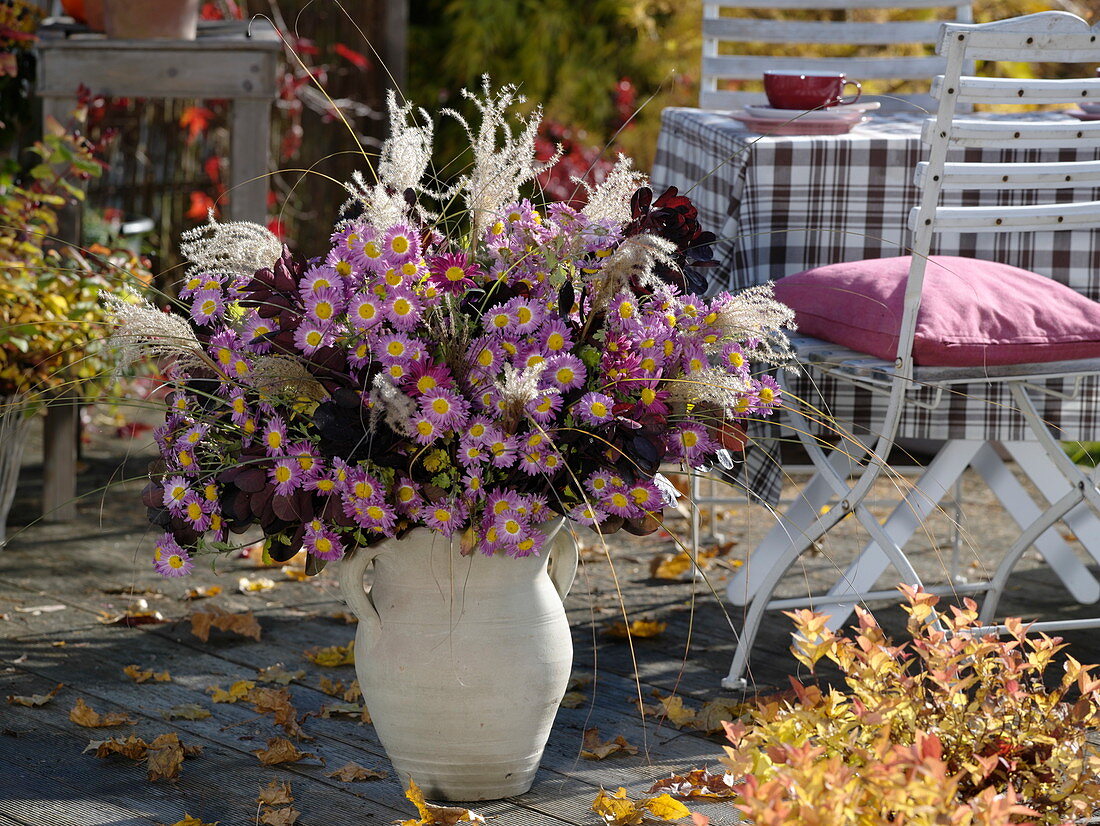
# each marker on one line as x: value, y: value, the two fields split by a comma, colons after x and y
x: 972, y: 313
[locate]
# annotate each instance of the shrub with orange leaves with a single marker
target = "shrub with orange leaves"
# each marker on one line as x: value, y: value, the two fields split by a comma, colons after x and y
x: 952, y: 728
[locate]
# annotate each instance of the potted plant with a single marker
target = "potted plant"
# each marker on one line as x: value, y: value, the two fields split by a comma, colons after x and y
x: 151, y: 19
x: 435, y: 396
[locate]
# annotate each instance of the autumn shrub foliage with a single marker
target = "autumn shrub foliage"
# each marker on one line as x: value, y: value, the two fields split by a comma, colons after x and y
x: 951, y: 728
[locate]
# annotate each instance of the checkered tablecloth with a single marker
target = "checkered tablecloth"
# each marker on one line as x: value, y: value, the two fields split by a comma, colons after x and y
x: 780, y: 205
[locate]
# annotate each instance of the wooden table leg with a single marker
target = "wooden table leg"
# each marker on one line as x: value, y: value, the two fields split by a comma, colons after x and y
x: 59, y: 460
x: 249, y: 139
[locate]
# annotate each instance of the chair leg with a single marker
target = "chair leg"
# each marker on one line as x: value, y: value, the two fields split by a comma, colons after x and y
x: 1077, y: 578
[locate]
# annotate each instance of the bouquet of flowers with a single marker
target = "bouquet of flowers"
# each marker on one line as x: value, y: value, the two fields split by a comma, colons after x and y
x: 471, y: 369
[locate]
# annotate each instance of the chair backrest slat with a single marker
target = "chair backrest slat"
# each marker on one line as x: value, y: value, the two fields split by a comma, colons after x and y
x: 1013, y: 90
x: 1010, y: 134
x: 724, y: 67
x: 1040, y: 218
x: 1063, y: 175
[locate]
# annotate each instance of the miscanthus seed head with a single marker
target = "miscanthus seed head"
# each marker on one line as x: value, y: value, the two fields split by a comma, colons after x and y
x: 233, y: 248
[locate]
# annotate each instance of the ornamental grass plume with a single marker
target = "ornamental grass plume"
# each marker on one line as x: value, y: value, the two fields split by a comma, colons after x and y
x: 477, y: 373
x: 952, y: 728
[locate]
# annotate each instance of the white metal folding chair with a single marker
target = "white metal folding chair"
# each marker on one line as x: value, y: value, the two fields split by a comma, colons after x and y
x: 1032, y: 394
x: 723, y: 35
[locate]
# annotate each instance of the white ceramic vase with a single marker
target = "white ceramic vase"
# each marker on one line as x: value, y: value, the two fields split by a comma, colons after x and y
x: 462, y: 660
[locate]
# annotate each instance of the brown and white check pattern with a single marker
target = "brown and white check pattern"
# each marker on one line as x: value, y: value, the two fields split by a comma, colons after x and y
x: 781, y: 205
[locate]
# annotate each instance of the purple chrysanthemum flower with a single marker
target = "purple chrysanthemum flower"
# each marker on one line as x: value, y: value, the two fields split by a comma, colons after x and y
x: 446, y: 517
x: 196, y: 511
x: 372, y: 515
x: 274, y: 436
x: 324, y: 305
x: 407, y: 496
x: 402, y: 310
x: 545, y: 406
x: 425, y: 430
x: 176, y: 489
x: 502, y: 450
x: 452, y: 272
x: 322, y: 542
x: 594, y: 408
x: 343, y: 265
x: 565, y: 372
x: 767, y: 394
x: 396, y: 348
x: 169, y: 559
x: 207, y: 306
x: 400, y: 243
x: 445, y: 408
x: 645, y: 495
x: 425, y: 377
x: 587, y: 514
x: 364, y: 311
x: 285, y: 475
x: 311, y: 335
x: 690, y: 442
x: 554, y: 337
x: 616, y: 500
x: 256, y: 329
x: 320, y: 279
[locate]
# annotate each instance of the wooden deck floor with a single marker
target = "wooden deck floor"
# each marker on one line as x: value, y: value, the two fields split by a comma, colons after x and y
x: 55, y: 580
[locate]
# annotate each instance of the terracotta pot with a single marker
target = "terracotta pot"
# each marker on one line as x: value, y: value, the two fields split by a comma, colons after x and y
x: 462, y: 660
x: 152, y: 19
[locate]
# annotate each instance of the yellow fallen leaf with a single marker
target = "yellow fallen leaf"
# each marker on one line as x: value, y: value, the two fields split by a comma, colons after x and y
x: 83, y: 715
x: 710, y: 717
x: 332, y: 656
x: 617, y: 809
x: 697, y: 784
x: 280, y: 817
x: 202, y: 592
x: 280, y: 750
x: 353, y: 772
x: 164, y: 757
x: 675, y: 712
x: 346, y: 617
x: 573, y: 699
x: 670, y: 566
x: 33, y: 700
x: 275, y: 793
x: 188, y: 820
x: 294, y: 574
x: 593, y: 749
x: 277, y: 703
x: 639, y: 628
x: 187, y: 711
x: 132, y: 747
x: 137, y: 614
x: 431, y: 815
x: 244, y: 624
x: 140, y: 675
x: 254, y: 586
x: 353, y: 693
x: 238, y: 691
x: 278, y: 674
x: 332, y: 687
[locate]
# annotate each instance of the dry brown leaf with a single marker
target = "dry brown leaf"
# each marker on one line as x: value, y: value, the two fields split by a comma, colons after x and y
x: 332, y: 656
x: 137, y: 613
x: 344, y: 616
x: 281, y: 750
x: 346, y: 709
x: 573, y: 699
x: 238, y: 691
x: 34, y: 700
x: 278, y: 674
x: 353, y: 772
x: 333, y: 688
x: 275, y: 793
x: 132, y: 747
x: 593, y: 749
x: 164, y: 757
x: 639, y: 629
x: 431, y: 815
x: 188, y: 820
x: 670, y: 566
x: 710, y: 717
x: 280, y: 817
x: 202, y: 592
x: 187, y: 711
x: 616, y: 809
x: 140, y: 675
x: 353, y: 693
x: 243, y: 624
x: 674, y: 711
x: 697, y: 784
x: 276, y: 701
x: 83, y: 715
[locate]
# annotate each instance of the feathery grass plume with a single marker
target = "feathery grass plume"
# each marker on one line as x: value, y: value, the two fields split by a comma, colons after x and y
x: 711, y: 385
x: 609, y: 200
x: 394, y: 407
x: 143, y: 331
x: 498, y: 172
x: 234, y: 248
x: 517, y: 388
x: 633, y: 260
x: 754, y: 314
x: 283, y: 377
x: 402, y: 164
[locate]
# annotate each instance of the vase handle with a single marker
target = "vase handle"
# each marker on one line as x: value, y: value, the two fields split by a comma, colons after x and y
x: 563, y: 559
x: 349, y: 574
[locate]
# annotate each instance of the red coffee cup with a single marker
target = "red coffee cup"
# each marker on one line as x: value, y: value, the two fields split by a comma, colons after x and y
x: 807, y: 90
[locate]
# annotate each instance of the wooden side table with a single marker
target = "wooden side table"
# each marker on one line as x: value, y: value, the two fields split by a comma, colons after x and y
x: 231, y: 60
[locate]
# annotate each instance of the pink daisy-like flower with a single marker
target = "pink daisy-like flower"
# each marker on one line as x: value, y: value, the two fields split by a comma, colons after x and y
x: 511, y: 527
x: 343, y: 265
x: 308, y: 459
x: 600, y: 482
x: 452, y: 272
x: 176, y: 489
x: 274, y: 436
x: 407, y: 496
x: 594, y: 408
x: 587, y: 514
x: 530, y: 545
x: 690, y: 442
x: 396, y: 348
x: 427, y: 376
x: 324, y: 305
x: 446, y: 408
x: 364, y: 311
x: 374, y: 516
x: 498, y: 320
x: 207, y: 306
x: 545, y: 406
x: 474, y: 483
x: 312, y: 335
x: 503, y: 451
x: 318, y: 279
x: 617, y: 501
x: 733, y: 357
x: 486, y: 357
x: 767, y: 394
x: 525, y: 315
x: 322, y: 542
x: 693, y: 357
x: 196, y: 511
x: 400, y: 243
x: 446, y: 517
x: 471, y: 454
x: 402, y: 310
x: 359, y: 484
x: 425, y: 430
x: 169, y: 559
x: 554, y: 337
x: 478, y: 430
x: 285, y: 475
x: 325, y: 483
x: 500, y: 501
x: 645, y: 495
x: 565, y: 372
